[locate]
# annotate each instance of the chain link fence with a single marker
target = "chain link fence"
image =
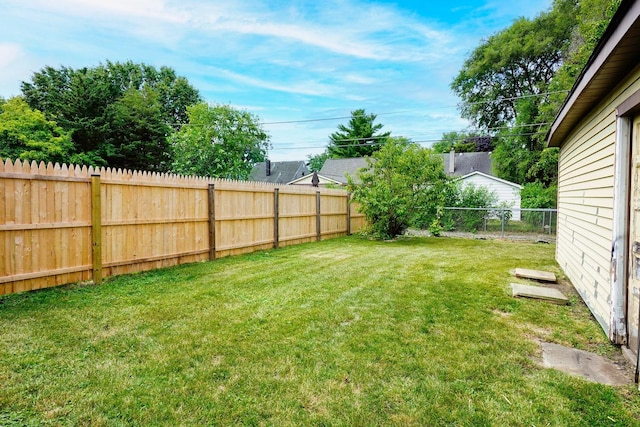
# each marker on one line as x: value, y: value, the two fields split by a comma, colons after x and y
x: 500, y: 222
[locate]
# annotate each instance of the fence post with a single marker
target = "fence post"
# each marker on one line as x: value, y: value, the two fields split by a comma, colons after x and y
x: 502, y: 215
x: 276, y: 218
x: 212, y: 222
x: 96, y: 229
x: 348, y: 213
x: 318, y: 222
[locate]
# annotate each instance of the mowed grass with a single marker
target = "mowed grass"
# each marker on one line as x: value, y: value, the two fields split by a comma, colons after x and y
x: 348, y: 331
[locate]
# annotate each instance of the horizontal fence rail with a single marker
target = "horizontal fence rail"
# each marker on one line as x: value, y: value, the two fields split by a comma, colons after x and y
x: 62, y: 224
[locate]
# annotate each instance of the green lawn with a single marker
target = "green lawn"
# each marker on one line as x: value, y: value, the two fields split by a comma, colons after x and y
x: 348, y: 331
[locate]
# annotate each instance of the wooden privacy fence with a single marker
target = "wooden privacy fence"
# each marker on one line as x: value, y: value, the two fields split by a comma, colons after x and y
x: 66, y: 224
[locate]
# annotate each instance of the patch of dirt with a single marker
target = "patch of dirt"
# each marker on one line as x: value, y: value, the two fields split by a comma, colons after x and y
x: 517, y: 237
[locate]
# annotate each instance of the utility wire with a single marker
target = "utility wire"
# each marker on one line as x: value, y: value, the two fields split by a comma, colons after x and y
x: 373, y: 144
x: 478, y: 132
x: 324, y: 119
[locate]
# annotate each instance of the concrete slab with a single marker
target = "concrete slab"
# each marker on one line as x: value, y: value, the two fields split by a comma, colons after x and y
x: 539, y: 292
x: 545, y: 276
x: 584, y: 364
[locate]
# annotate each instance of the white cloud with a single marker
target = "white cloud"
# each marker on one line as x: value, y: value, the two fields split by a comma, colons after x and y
x: 14, y: 67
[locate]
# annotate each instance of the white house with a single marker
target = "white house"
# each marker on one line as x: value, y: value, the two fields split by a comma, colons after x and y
x: 507, y: 192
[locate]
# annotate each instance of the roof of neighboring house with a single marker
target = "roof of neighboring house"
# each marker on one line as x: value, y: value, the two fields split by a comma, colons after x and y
x: 615, y: 56
x: 337, y: 169
x: 465, y: 163
x: 281, y: 172
x: 306, y: 180
x: 494, y: 178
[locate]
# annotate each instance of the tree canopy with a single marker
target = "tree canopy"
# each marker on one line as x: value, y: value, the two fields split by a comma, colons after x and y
x: 463, y: 142
x: 219, y: 141
x: 513, y: 84
x: 119, y: 114
x: 358, y: 138
x: 26, y: 134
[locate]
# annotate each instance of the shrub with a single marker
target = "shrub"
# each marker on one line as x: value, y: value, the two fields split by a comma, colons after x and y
x: 395, y: 188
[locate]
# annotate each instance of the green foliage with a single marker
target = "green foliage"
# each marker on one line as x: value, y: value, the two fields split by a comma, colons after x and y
x: 219, y: 141
x: 470, y: 196
x: 316, y: 161
x: 536, y: 195
x: 504, y: 87
x: 518, y: 61
x: 357, y: 139
x: 26, y: 134
x: 463, y: 142
x: 593, y: 17
x: 400, y: 181
x: 93, y: 104
x: 138, y: 139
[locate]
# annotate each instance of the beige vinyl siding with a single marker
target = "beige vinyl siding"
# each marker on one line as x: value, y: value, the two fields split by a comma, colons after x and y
x: 585, y: 202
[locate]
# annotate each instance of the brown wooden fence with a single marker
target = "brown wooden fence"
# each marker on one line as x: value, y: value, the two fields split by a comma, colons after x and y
x: 61, y: 224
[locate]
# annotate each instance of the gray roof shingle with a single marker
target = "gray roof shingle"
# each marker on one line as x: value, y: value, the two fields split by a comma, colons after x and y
x: 339, y: 168
x: 464, y: 163
x: 281, y: 172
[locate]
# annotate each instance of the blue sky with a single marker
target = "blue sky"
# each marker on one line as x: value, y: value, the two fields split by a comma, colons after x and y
x: 305, y: 63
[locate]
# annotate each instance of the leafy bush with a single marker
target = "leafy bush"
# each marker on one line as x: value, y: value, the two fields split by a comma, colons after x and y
x: 470, y: 196
x: 535, y: 195
x: 394, y: 190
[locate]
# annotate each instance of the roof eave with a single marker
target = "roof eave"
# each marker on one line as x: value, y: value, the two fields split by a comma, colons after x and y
x: 600, y: 74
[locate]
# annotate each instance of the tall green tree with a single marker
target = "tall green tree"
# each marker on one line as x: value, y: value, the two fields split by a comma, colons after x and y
x: 89, y: 103
x: 26, y: 134
x: 401, y: 180
x: 517, y: 62
x: 139, y: 137
x: 505, y: 81
x: 463, y: 142
x: 514, y: 83
x: 316, y: 161
x: 358, y: 138
x: 219, y: 141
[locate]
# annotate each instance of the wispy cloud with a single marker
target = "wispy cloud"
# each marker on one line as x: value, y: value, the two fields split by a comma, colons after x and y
x: 285, y: 61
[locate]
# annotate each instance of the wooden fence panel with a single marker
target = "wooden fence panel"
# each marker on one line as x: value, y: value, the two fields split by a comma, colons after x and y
x: 244, y: 220
x: 297, y: 217
x: 44, y: 226
x: 333, y: 215
x: 149, y: 223
x: 146, y: 220
x: 358, y: 221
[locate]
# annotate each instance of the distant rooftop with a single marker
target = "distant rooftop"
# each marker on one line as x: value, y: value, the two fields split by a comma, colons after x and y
x: 279, y: 172
x: 338, y: 169
x: 465, y: 163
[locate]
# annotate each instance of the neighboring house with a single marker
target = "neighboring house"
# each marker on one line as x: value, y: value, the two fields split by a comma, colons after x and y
x: 278, y: 172
x: 455, y: 164
x: 506, y: 191
x: 338, y: 169
x: 598, y: 133
x: 469, y: 167
x: 323, y: 181
x: 460, y: 164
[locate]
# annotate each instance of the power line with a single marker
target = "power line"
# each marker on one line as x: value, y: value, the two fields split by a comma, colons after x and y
x: 373, y: 144
x: 324, y: 119
x: 478, y: 132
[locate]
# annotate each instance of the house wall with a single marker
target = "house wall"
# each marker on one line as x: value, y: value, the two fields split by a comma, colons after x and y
x: 505, y: 192
x: 585, y: 201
